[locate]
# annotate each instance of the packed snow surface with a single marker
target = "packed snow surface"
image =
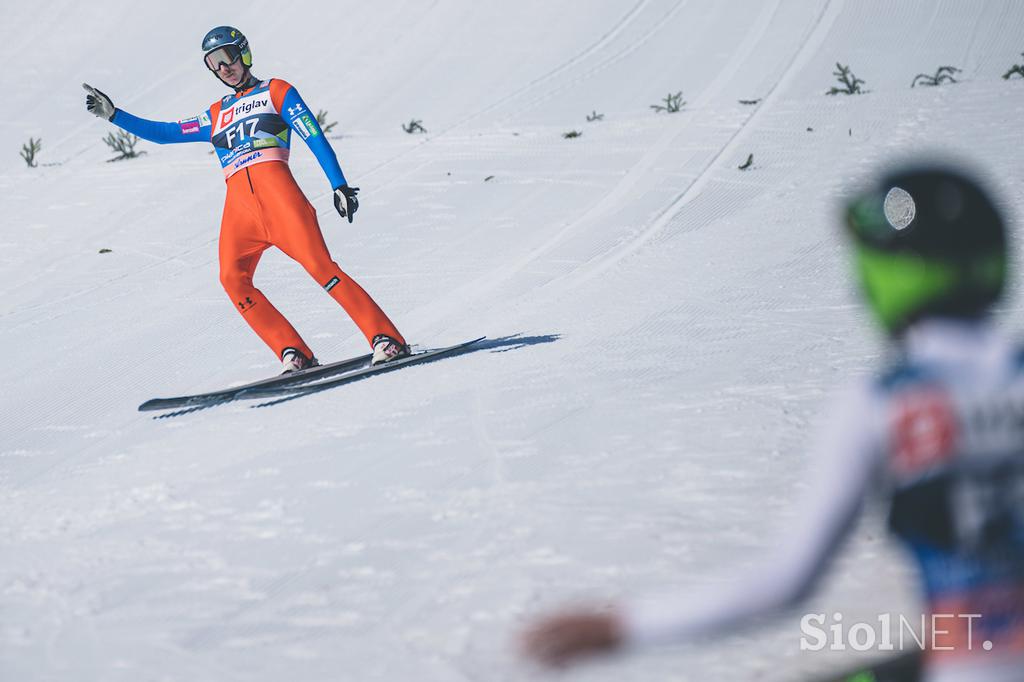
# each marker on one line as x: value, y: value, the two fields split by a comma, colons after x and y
x: 663, y: 327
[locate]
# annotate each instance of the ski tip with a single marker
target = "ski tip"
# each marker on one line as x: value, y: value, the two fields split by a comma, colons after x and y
x: 155, y: 404
x: 464, y: 344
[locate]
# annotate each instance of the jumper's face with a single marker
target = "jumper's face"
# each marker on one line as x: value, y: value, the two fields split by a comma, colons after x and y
x: 227, y: 63
x: 231, y: 74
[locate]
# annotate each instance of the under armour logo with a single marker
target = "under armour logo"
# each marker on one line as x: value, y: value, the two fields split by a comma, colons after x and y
x: 295, y: 111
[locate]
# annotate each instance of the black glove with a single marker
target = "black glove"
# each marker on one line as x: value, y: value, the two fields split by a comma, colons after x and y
x: 345, y: 201
x: 97, y: 103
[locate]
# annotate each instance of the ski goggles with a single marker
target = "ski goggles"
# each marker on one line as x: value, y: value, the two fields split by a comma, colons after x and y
x: 222, y: 56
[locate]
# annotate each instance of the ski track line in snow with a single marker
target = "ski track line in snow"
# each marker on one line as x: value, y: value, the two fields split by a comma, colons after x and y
x: 485, y: 285
x: 624, y: 188
x: 601, y: 264
x: 639, y: 172
x: 609, y: 36
x: 595, y: 47
x: 611, y: 60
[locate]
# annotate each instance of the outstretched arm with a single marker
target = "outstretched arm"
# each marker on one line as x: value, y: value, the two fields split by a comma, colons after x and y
x: 848, y: 453
x: 196, y: 129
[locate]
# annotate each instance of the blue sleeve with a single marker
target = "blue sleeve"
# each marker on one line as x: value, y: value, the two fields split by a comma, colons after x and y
x: 297, y: 115
x: 195, y: 129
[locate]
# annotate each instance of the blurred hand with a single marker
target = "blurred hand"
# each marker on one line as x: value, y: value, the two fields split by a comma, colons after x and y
x: 97, y: 103
x: 566, y: 637
x: 346, y: 202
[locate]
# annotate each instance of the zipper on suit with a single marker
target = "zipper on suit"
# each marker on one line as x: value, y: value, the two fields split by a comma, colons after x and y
x: 249, y: 178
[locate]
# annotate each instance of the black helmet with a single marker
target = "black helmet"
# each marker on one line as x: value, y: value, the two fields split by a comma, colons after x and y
x: 929, y: 241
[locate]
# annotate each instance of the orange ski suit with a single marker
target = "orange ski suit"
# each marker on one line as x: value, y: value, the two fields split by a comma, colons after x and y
x: 251, y: 132
x: 264, y: 207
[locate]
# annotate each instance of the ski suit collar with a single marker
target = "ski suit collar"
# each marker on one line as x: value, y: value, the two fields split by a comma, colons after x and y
x: 958, y: 343
x: 249, y: 83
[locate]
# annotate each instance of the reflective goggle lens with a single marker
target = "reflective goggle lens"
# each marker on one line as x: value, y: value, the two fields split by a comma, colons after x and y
x: 227, y: 55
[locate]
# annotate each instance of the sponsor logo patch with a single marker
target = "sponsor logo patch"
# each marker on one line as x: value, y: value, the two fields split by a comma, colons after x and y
x: 925, y: 432
x: 248, y: 159
x: 330, y: 285
x: 246, y: 106
x: 189, y: 125
x: 307, y: 126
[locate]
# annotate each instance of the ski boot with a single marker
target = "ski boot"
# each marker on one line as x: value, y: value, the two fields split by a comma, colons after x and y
x: 293, y: 360
x: 386, y: 349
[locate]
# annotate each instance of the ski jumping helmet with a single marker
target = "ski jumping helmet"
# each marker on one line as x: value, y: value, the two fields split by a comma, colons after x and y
x: 928, y: 241
x: 225, y: 44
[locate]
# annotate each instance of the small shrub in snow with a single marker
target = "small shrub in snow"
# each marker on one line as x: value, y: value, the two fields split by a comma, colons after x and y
x: 29, y: 151
x: 414, y: 126
x: 850, y: 83
x: 1017, y: 69
x: 321, y: 119
x: 594, y: 116
x: 671, y: 104
x: 123, y: 143
x: 572, y: 133
x: 944, y: 74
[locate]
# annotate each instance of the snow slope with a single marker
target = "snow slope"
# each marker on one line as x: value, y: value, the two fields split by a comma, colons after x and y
x: 663, y: 326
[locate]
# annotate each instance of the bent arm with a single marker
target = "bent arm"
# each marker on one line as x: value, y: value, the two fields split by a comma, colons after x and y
x: 297, y: 115
x: 848, y: 452
x: 195, y: 129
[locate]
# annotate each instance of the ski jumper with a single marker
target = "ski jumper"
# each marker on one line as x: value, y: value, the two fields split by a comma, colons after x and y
x: 941, y: 434
x: 264, y: 206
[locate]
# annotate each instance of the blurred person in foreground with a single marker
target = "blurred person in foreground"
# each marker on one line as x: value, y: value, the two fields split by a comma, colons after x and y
x: 940, y: 432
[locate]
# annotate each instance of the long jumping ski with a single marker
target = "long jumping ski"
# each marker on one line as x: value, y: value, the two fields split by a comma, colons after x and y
x: 279, y: 393
x: 294, y: 384
x: 292, y: 379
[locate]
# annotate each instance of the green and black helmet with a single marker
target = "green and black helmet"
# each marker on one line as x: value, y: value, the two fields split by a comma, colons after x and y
x: 929, y: 241
x: 226, y: 45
